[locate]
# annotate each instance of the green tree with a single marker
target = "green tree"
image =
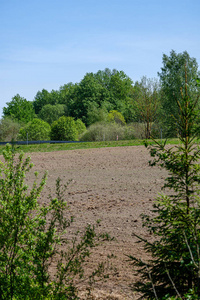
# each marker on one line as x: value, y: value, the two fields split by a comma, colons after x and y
x: 31, y: 236
x: 68, y: 95
x: 119, y: 90
x: 172, y: 78
x: 64, y: 129
x: 89, y: 93
x: 19, y: 109
x: 9, y: 129
x: 104, y: 90
x: 147, y: 103
x: 174, y: 267
x: 50, y: 113
x: 36, y: 130
x: 96, y: 114
x: 44, y: 97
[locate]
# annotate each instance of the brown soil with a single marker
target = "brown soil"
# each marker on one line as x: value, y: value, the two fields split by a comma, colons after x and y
x: 115, y: 185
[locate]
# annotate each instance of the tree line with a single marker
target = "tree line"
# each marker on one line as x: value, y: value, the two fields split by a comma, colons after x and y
x: 104, y: 101
x: 34, y: 236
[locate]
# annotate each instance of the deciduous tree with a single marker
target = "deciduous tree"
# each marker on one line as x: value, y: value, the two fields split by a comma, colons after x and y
x: 147, y: 102
x: 50, y: 113
x: 172, y: 78
x: 19, y: 109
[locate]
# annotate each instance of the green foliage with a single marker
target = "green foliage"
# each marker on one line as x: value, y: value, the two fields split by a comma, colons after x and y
x: 9, y: 129
x: 147, y: 102
x: 50, y: 113
x: 172, y: 78
x: 43, y: 98
x: 89, y: 92
x: 117, y: 117
x: 138, y: 129
x: 37, y: 130
x: 33, y: 238
x: 174, y: 267
x: 102, y: 91
x: 96, y: 114
x: 64, y: 129
x: 19, y: 109
x: 107, y: 132
x: 68, y: 96
x: 80, y: 127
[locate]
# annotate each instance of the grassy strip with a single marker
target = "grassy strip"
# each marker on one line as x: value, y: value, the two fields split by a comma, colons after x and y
x: 74, y: 146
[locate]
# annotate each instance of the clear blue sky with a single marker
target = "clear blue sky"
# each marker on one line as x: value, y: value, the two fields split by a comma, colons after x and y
x: 48, y: 43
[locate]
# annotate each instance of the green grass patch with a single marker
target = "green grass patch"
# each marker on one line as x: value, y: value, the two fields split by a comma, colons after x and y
x: 84, y: 145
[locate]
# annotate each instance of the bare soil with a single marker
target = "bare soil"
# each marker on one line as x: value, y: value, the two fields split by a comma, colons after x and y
x: 115, y: 185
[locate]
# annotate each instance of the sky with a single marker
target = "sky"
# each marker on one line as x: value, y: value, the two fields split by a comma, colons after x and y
x: 45, y: 44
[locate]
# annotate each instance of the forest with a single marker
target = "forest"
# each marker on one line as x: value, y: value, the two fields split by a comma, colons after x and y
x: 106, y: 105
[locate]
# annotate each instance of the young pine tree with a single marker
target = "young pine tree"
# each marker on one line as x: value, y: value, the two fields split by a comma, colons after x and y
x: 173, y: 272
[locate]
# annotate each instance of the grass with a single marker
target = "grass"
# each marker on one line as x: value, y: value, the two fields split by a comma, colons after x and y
x: 82, y: 145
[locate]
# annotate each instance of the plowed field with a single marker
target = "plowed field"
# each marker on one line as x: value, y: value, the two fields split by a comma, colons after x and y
x: 114, y: 185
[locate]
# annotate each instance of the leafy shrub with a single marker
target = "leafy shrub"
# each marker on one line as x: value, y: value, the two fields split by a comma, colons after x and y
x: 107, y: 132
x: 64, y: 129
x: 35, y: 130
x: 33, y: 238
x: 9, y: 129
x: 117, y: 117
x: 139, y: 129
x: 80, y: 127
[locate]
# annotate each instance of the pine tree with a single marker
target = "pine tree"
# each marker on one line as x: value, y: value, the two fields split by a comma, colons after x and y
x: 174, y: 267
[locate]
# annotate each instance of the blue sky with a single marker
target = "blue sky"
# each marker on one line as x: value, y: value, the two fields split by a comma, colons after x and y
x: 48, y: 43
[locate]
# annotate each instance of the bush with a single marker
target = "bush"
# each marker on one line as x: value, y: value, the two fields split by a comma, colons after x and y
x: 9, y: 130
x: 64, y: 129
x: 35, y: 130
x: 117, y: 117
x: 31, y: 236
x: 107, y: 132
x: 140, y: 130
x: 80, y: 127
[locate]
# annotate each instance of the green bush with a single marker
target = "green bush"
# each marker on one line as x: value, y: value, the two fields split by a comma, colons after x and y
x: 64, y: 129
x: 107, y: 132
x: 139, y: 129
x: 9, y: 130
x: 117, y: 117
x: 80, y: 127
x: 33, y: 238
x: 35, y: 130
